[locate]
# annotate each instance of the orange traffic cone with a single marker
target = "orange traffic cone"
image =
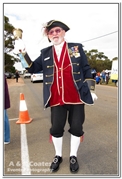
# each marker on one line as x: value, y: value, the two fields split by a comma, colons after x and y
x: 23, y: 114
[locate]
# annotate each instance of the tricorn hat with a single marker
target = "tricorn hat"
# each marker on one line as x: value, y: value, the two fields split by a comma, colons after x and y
x: 55, y: 23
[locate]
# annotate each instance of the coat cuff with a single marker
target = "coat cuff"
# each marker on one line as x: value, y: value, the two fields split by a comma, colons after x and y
x: 25, y: 60
x: 91, y: 84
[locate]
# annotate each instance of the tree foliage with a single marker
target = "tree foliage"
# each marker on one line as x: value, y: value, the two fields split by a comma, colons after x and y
x: 98, y: 60
x: 9, y: 59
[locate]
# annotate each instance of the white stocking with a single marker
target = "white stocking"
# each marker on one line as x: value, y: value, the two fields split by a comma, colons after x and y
x: 57, y: 141
x: 74, y: 145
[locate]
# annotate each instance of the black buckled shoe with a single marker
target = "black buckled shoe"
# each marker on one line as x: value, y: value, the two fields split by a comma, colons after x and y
x: 55, y: 164
x: 74, y: 166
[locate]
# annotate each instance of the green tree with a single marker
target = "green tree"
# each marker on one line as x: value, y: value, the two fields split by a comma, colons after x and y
x: 9, y: 59
x: 98, y: 60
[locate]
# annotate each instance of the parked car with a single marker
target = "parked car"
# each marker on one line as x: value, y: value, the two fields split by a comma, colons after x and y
x: 14, y: 76
x: 37, y: 77
x: 8, y: 74
x: 27, y: 75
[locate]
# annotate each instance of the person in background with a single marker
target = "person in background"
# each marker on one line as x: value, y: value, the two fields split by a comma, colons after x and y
x: 16, y: 75
x: 93, y: 72
x: 97, y: 78
x: 68, y: 86
x: 107, y: 76
x: 103, y: 76
x: 6, y: 119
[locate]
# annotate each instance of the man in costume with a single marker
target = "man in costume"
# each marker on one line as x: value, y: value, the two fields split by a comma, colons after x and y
x: 68, y: 86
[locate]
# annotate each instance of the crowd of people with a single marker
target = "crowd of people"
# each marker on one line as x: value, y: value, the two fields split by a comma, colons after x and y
x: 101, y: 78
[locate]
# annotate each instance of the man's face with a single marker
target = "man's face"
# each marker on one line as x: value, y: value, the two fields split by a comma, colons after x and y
x: 56, y: 35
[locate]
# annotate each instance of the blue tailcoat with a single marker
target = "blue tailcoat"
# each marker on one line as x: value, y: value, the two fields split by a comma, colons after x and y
x: 81, y: 71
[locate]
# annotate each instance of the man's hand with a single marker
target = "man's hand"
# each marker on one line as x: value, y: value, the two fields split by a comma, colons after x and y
x: 19, y: 47
x: 94, y: 96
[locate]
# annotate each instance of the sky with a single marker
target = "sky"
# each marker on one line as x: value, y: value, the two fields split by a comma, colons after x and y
x: 95, y: 25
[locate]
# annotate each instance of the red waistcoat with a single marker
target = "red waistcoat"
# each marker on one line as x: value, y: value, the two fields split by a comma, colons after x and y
x: 63, y: 90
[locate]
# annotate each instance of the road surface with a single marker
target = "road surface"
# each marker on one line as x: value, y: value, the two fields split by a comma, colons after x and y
x: 30, y: 152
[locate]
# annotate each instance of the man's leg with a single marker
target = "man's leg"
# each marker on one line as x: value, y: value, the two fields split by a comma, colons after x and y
x: 6, y: 128
x: 74, y: 145
x: 57, y: 142
x: 76, y: 120
x: 58, y: 120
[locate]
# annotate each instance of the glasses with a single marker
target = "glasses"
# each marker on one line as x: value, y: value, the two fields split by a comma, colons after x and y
x: 57, y: 31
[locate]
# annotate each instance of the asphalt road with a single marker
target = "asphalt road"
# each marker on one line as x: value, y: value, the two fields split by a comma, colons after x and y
x: 98, y: 154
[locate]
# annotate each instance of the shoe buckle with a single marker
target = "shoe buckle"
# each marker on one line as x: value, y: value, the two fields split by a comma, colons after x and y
x: 55, y: 160
x: 72, y: 160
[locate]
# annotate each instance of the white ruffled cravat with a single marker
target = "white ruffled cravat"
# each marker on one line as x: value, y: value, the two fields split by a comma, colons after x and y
x: 58, y: 49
